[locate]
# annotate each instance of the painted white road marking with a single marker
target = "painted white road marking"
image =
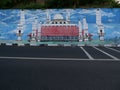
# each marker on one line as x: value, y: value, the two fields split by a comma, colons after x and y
x: 32, y: 58
x: 61, y: 59
x: 89, y: 56
x: 115, y: 58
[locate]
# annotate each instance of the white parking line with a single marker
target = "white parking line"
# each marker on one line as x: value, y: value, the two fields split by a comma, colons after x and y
x: 32, y: 58
x: 115, y: 58
x: 89, y: 56
x: 53, y: 59
x: 113, y: 49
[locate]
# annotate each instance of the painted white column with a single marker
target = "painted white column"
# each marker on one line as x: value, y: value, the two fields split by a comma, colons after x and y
x: 22, y: 17
x: 20, y: 28
x: 48, y: 16
x: 80, y: 31
x: 34, y: 29
x: 85, y: 28
x: 68, y: 15
x: 39, y: 32
x: 101, y: 32
x: 99, y: 25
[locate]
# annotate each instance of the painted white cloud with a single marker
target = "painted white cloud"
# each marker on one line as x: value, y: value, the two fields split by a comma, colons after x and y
x: 9, y: 17
x: 4, y: 24
x: 109, y: 26
x: 29, y: 20
x: 116, y: 33
x: 12, y: 31
x: 2, y: 14
x: 53, y: 11
x: 94, y: 34
x: 14, y: 11
x: 30, y: 13
x: 110, y: 20
x: 86, y: 11
x: 107, y: 14
x: 16, y: 22
x: 2, y: 37
x: 93, y: 12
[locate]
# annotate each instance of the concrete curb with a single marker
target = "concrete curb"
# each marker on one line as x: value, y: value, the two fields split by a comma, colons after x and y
x: 64, y: 45
x: 21, y: 44
x: 52, y: 45
x: 9, y: 44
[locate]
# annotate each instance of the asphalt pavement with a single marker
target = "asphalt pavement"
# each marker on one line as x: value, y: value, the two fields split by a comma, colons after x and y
x: 21, y: 70
x: 43, y: 52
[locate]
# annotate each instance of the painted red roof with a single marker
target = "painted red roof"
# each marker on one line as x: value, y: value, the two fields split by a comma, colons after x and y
x: 59, y: 31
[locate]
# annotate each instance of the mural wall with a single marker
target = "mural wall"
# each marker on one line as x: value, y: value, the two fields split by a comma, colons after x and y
x: 9, y: 20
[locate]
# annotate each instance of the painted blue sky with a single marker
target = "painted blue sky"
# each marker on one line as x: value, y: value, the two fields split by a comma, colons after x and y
x: 10, y: 18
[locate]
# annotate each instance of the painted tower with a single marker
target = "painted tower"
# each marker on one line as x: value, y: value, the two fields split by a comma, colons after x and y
x: 20, y: 27
x: 99, y: 25
x: 48, y: 16
x: 85, y: 29
x: 80, y: 31
x: 34, y: 30
x: 68, y: 16
x: 39, y: 33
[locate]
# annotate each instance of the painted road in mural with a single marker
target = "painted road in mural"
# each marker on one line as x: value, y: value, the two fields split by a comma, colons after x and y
x: 9, y: 20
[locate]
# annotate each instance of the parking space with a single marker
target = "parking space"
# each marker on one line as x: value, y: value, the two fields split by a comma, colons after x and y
x: 96, y: 54
x: 43, y: 52
x: 61, y: 53
x: 111, y: 52
x: 117, y: 48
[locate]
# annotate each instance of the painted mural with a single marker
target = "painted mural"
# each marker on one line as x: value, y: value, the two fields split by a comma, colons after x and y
x: 110, y: 18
